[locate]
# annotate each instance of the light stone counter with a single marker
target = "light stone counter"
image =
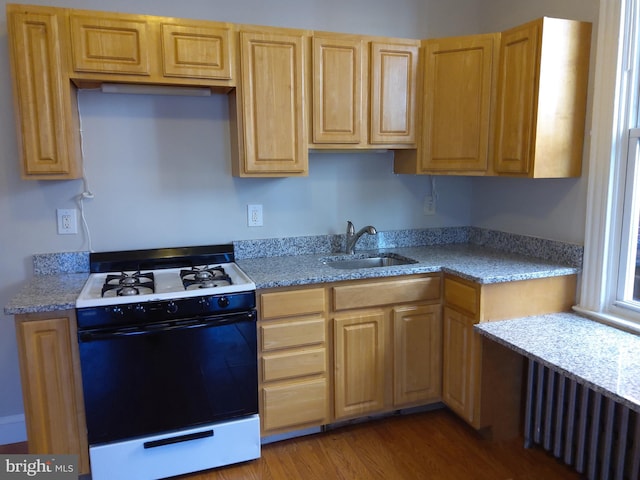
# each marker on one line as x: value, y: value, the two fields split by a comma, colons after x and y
x: 596, y: 355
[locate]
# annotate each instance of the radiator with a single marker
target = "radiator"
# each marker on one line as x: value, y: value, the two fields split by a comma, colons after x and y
x: 594, y: 434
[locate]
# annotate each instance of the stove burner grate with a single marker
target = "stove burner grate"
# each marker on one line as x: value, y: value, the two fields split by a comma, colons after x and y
x: 204, y: 277
x: 127, y: 284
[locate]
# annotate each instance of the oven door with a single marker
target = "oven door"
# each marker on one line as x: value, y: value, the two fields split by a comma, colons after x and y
x: 168, y: 376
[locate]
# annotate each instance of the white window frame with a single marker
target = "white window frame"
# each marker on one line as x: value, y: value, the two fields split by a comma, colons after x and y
x: 611, y: 165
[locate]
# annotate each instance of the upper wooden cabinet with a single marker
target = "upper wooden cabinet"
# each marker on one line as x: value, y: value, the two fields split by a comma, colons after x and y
x: 150, y: 48
x: 364, y: 92
x: 44, y: 101
x: 458, y: 89
x: 542, y: 94
x: 269, y: 105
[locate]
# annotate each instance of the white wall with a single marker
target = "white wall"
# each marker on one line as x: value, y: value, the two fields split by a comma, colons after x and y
x: 544, y: 208
x: 160, y: 167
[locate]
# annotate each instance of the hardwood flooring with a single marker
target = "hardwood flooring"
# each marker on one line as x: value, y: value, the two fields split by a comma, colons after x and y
x: 433, y: 445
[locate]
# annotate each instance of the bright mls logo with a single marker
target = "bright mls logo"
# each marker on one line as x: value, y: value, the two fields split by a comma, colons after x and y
x: 50, y: 467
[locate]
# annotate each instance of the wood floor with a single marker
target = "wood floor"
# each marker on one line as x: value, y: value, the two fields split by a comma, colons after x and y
x: 432, y: 445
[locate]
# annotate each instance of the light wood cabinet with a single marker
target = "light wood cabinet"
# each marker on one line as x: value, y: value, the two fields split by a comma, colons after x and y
x: 387, y: 345
x: 111, y: 47
x: 477, y: 378
x: 44, y: 100
x: 364, y: 92
x: 269, y: 105
x: 458, y: 92
x: 293, y: 360
x: 52, y: 385
x: 541, y: 103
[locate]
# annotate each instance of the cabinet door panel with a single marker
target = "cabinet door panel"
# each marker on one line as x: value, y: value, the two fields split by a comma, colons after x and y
x: 337, y: 90
x: 196, y: 51
x: 457, y: 363
x: 109, y: 44
x: 359, y: 354
x: 42, y: 99
x: 417, y: 366
x: 52, y: 389
x: 516, y: 99
x: 394, y: 73
x: 458, y: 89
x: 275, y: 138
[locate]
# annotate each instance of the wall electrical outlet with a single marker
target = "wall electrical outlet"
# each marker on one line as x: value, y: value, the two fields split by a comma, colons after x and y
x: 67, y: 221
x: 429, y: 205
x: 254, y: 216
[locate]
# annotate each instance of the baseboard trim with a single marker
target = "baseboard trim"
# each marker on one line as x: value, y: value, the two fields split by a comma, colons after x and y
x: 13, y: 429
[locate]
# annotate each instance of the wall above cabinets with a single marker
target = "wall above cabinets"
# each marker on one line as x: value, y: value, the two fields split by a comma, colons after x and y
x: 498, y: 104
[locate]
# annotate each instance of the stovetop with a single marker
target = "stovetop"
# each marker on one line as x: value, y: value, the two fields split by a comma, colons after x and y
x: 162, y: 274
x: 167, y: 284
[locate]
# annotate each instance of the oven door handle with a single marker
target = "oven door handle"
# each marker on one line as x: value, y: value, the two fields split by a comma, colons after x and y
x: 178, y: 439
x: 162, y: 327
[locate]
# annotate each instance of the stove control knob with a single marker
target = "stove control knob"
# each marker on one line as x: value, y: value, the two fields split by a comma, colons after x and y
x: 117, y: 311
x: 223, y: 302
x: 172, y: 307
x: 204, y: 303
x: 140, y: 310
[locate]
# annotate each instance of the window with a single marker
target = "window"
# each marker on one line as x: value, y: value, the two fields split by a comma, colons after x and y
x: 611, y: 275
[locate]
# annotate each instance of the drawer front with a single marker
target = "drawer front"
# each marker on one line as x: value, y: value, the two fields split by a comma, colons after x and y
x: 462, y: 296
x: 279, y: 366
x: 294, y: 404
x: 294, y: 302
x: 391, y: 292
x: 293, y: 333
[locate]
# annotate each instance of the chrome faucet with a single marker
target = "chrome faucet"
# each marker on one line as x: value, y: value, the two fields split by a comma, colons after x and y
x: 353, y: 237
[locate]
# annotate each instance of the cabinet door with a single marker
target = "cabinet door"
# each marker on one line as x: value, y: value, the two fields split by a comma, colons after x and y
x: 338, y: 90
x: 196, y: 51
x: 359, y: 355
x: 110, y: 44
x: 458, y: 86
x: 272, y: 106
x: 457, y: 374
x: 51, y: 383
x: 393, y: 78
x: 417, y: 355
x: 43, y: 101
x: 517, y: 97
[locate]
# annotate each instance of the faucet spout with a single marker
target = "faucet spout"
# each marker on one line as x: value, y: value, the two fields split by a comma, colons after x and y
x: 353, y: 236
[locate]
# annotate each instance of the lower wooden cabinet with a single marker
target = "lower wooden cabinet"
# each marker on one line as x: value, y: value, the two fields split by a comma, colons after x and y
x: 52, y: 385
x: 293, y: 360
x: 477, y: 378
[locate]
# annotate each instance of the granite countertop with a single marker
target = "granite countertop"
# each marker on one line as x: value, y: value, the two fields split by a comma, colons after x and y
x: 475, y: 263
x: 596, y: 355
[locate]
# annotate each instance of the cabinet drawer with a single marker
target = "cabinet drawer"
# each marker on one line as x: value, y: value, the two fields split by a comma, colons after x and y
x: 461, y: 295
x: 390, y: 292
x: 278, y: 366
x: 294, y: 333
x: 295, y: 302
x: 294, y: 404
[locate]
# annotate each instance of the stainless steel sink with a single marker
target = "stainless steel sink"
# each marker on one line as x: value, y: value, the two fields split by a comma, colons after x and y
x: 373, y: 261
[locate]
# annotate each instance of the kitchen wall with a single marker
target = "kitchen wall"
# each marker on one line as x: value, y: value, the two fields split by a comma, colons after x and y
x: 159, y: 167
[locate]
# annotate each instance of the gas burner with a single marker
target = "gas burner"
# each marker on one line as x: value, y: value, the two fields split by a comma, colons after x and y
x: 128, y: 284
x: 204, y: 277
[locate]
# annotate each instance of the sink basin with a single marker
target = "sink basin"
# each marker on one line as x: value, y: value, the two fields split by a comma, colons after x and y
x: 383, y: 260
